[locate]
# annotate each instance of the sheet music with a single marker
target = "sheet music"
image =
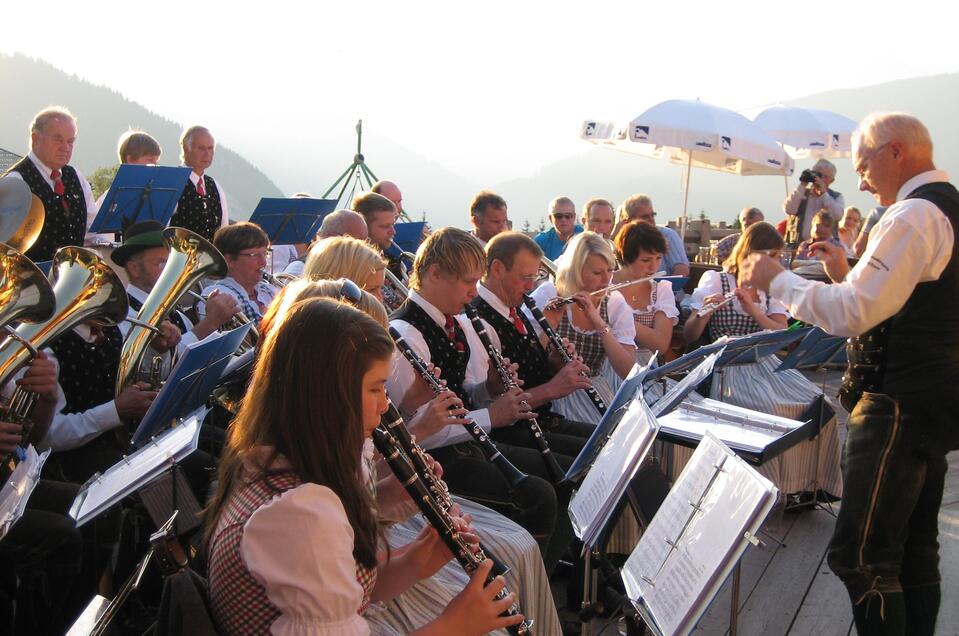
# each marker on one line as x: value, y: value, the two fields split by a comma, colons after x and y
x: 687, y: 384
x: 16, y: 492
x: 610, y: 474
x: 697, y: 536
x: 135, y: 471
x: 736, y: 426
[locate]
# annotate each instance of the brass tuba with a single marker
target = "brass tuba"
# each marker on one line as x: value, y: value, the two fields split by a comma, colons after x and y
x: 84, y: 288
x: 191, y: 258
x: 25, y: 293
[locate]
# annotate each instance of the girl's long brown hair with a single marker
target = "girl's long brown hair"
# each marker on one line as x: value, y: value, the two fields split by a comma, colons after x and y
x: 758, y: 236
x: 304, y: 401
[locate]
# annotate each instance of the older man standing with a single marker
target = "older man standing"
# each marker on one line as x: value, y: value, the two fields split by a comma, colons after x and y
x: 488, y: 215
x: 65, y: 193
x: 810, y: 197
x: 562, y: 215
x: 639, y: 207
x: 900, y: 305
x: 202, y: 207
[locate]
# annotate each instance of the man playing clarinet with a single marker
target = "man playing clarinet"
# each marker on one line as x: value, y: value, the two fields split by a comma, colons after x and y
x: 900, y: 307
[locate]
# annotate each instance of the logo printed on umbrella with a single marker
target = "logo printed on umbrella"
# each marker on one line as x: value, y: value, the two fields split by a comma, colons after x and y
x: 704, y: 144
x: 725, y: 142
x: 590, y: 129
x: 816, y: 144
x: 835, y: 142
x: 641, y: 132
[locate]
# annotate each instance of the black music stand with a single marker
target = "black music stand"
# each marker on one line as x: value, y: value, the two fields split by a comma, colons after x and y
x: 190, y: 383
x: 291, y: 221
x: 817, y: 350
x: 409, y: 235
x: 140, y: 193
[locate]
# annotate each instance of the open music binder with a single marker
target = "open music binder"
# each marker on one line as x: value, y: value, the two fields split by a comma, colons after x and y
x: 619, y: 458
x: 816, y: 350
x: 16, y: 492
x: 754, y: 436
x: 697, y: 537
x: 137, y: 471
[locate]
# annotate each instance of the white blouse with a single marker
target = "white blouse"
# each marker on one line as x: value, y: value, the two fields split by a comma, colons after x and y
x: 711, y: 283
x: 665, y: 302
x: 620, y: 314
x: 299, y: 547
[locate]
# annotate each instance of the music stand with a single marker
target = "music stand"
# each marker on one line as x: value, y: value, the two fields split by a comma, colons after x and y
x: 19, y: 486
x: 409, y: 235
x: 190, y: 383
x: 816, y: 351
x: 291, y: 221
x: 140, y: 193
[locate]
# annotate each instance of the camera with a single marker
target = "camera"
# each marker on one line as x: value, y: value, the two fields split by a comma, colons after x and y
x: 809, y: 176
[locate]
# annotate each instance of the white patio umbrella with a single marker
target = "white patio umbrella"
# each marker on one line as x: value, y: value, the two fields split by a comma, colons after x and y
x: 808, y: 132
x: 694, y: 133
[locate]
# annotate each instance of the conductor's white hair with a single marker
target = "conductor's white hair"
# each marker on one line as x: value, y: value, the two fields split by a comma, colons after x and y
x: 880, y: 128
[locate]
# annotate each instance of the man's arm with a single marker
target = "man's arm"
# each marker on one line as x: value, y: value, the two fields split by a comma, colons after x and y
x: 792, y: 202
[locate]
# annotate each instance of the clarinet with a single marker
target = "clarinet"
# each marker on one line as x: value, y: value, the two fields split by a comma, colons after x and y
x: 513, y: 475
x: 561, y: 348
x: 556, y: 473
x: 392, y: 422
x: 437, y: 517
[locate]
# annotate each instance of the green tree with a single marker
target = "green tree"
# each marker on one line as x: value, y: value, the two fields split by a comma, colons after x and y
x: 542, y: 224
x: 526, y: 226
x: 102, y: 178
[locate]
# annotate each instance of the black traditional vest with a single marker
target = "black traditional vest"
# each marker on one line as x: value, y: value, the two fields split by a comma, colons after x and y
x: 526, y: 351
x: 61, y: 226
x: 443, y: 351
x: 202, y: 215
x: 916, y: 350
x: 88, y: 371
x: 173, y: 316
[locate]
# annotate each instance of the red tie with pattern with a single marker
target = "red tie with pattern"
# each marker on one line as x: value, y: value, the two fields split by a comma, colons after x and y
x: 451, y: 334
x: 199, y: 188
x: 517, y: 321
x: 59, y: 189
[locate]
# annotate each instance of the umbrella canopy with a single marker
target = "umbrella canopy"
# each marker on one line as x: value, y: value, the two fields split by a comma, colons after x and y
x: 696, y: 134
x: 808, y: 132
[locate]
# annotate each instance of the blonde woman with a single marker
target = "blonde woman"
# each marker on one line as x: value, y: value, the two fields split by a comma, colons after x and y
x: 347, y: 257
x: 600, y: 326
x: 849, y: 226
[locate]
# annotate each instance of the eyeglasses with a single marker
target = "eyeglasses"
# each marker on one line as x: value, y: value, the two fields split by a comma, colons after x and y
x: 350, y: 292
x: 264, y: 254
x: 864, y: 165
x: 563, y: 215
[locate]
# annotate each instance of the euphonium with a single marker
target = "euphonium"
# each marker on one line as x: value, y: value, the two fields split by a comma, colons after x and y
x: 25, y: 293
x: 191, y: 257
x: 84, y: 288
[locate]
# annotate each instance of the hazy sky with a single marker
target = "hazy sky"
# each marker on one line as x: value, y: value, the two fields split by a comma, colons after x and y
x: 492, y: 90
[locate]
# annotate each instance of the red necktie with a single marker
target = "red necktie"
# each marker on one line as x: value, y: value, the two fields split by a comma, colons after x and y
x: 517, y: 321
x: 451, y: 333
x: 59, y: 189
x: 199, y: 188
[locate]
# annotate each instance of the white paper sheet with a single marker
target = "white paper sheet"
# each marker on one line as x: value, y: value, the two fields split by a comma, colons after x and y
x: 16, y: 492
x: 737, y: 427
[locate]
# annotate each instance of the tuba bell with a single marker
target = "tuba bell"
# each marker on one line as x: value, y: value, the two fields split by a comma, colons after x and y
x: 191, y: 258
x: 25, y: 293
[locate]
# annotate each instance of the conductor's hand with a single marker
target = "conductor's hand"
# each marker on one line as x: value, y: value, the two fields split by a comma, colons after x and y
x: 510, y: 407
x: 133, y: 401
x: 220, y: 308
x: 833, y: 259
x: 167, y: 339
x: 475, y: 610
x: 759, y: 270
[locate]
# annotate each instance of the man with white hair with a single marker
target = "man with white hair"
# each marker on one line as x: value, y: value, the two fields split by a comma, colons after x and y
x: 64, y: 191
x: 202, y: 207
x: 810, y: 197
x: 900, y: 307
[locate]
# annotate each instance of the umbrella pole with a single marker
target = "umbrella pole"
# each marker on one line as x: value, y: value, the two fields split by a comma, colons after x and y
x: 682, y: 221
x: 786, y: 181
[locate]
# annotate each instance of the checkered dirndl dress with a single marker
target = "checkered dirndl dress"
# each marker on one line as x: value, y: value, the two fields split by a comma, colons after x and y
x: 810, y: 465
x: 647, y: 318
x: 240, y: 604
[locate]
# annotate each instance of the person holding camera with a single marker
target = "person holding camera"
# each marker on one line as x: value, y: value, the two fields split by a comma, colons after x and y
x: 811, y: 195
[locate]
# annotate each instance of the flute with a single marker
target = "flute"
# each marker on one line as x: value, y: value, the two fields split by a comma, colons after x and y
x: 440, y: 519
x: 556, y: 472
x: 711, y: 307
x: 556, y: 303
x: 513, y: 475
x: 392, y: 421
x: 557, y: 343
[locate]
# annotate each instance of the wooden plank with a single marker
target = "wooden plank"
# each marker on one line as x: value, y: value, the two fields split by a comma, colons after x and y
x: 826, y: 608
x: 950, y: 494
x: 948, y: 623
x: 771, y: 608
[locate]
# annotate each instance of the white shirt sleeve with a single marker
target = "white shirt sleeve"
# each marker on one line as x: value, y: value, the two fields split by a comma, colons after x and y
x: 621, y: 322
x: 299, y: 547
x: 666, y: 301
x: 911, y: 244
x: 709, y: 284
x: 225, y: 217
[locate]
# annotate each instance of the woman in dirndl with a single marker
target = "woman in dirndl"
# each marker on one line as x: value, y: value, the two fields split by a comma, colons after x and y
x: 640, y: 247
x: 811, y: 465
x: 600, y: 327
